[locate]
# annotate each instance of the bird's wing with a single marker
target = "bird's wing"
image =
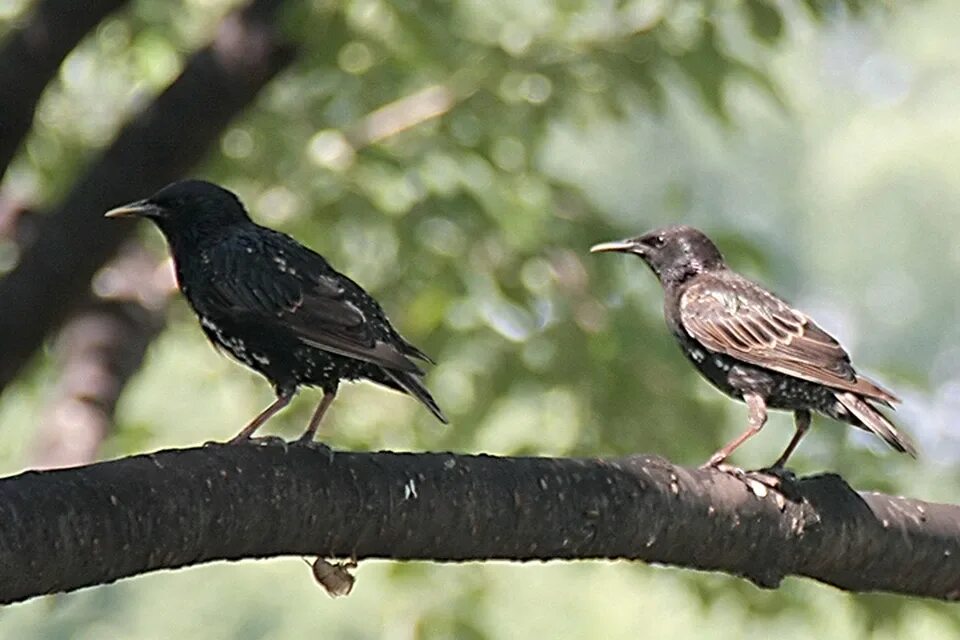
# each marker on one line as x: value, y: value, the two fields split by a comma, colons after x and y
x: 743, y: 320
x: 293, y: 288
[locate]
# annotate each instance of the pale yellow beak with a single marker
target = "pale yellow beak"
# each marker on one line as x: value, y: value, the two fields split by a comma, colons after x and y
x: 616, y: 245
x: 138, y: 208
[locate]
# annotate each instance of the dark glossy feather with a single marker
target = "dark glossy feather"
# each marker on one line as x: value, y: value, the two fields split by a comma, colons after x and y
x: 278, y: 281
x: 275, y: 305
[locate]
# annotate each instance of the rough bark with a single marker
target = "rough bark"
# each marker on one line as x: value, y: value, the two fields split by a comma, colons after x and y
x: 157, y: 146
x: 67, y: 529
x: 30, y: 56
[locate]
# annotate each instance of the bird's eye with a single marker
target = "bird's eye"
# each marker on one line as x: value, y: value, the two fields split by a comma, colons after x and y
x: 656, y: 242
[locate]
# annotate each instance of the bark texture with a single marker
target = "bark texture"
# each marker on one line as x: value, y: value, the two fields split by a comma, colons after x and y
x: 66, y: 529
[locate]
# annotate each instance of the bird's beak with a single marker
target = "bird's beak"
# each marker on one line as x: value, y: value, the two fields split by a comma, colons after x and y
x: 622, y: 246
x: 140, y: 208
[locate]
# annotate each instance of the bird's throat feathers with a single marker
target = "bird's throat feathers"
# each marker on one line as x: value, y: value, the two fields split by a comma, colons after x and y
x: 678, y: 272
x: 186, y: 236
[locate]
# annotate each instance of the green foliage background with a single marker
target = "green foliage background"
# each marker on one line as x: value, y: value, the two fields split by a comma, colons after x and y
x: 818, y: 143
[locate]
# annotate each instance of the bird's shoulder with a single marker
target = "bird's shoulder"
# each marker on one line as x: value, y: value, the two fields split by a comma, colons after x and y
x: 270, y: 251
x: 733, y: 315
x: 725, y: 293
x: 297, y: 260
x: 270, y: 279
x: 256, y: 269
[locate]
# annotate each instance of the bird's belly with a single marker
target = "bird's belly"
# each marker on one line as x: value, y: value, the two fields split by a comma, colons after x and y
x: 318, y: 368
x: 714, y: 367
x: 283, y: 359
x: 268, y: 353
x: 792, y: 393
x: 780, y: 391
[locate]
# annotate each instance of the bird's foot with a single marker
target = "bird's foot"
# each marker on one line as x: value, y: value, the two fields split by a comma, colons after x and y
x: 716, y: 462
x: 779, y: 479
x: 775, y: 481
x: 315, y: 445
x: 261, y: 441
x: 306, y: 439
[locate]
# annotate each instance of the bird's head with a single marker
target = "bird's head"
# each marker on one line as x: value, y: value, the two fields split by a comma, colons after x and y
x: 187, y: 208
x: 674, y: 253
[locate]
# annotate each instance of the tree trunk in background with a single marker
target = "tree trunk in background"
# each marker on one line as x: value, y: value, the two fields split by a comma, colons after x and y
x: 98, y: 350
x: 30, y: 57
x: 52, y: 277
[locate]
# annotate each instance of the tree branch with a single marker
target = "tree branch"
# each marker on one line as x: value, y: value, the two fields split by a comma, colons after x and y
x: 156, y: 147
x: 67, y: 529
x: 30, y: 57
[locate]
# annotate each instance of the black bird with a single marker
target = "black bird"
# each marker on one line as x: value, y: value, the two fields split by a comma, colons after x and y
x: 275, y: 305
x: 752, y: 345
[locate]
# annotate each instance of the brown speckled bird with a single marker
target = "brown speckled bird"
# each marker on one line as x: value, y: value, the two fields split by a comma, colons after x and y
x: 753, y: 346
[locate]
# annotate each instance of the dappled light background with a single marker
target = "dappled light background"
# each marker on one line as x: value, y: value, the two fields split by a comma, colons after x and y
x: 458, y: 159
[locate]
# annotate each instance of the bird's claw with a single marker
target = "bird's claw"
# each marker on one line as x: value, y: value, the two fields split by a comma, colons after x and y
x: 728, y: 469
x: 306, y: 440
x: 261, y: 441
x: 781, y: 480
x: 715, y: 462
x: 775, y: 481
x: 315, y: 445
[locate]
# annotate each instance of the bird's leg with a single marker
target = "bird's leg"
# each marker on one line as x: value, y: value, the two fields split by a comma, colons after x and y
x: 325, y: 403
x: 801, y: 420
x: 757, y: 412
x: 776, y: 478
x: 283, y: 399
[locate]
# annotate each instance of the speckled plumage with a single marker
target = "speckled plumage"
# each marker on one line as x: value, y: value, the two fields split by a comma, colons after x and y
x: 752, y: 345
x: 275, y: 305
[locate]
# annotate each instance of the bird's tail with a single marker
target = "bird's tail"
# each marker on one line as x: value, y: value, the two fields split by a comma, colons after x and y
x: 873, y: 391
x: 876, y: 422
x: 412, y: 384
x: 410, y: 349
